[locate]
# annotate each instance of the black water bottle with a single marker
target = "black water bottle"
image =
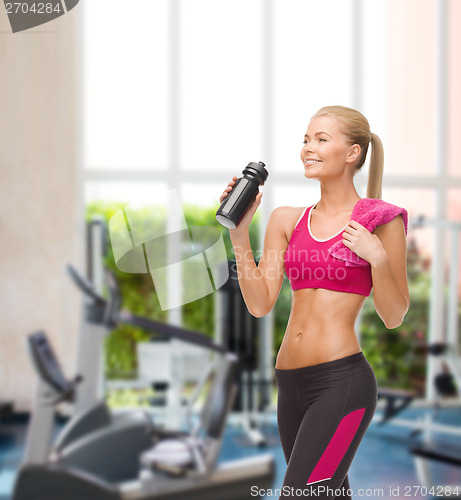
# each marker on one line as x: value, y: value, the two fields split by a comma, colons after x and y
x: 242, y: 196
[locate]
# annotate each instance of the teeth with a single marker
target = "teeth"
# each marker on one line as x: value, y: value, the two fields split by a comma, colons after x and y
x: 311, y: 161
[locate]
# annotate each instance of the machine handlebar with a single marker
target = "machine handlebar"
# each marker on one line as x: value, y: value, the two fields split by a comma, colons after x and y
x: 48, y: 368
x: 85, y: 286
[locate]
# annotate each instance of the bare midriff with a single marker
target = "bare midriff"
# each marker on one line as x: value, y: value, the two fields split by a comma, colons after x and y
x: 321, y: 328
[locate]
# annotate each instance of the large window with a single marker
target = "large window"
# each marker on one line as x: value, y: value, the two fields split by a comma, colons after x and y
x: 184, y: 93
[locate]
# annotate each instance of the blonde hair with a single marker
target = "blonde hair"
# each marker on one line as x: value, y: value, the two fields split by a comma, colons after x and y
x: 357, y: 130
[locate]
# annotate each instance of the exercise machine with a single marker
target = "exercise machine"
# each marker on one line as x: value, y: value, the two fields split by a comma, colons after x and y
x: 164, y: 364
x: 241, y: 332
x: 396, y: 401
x: 431, y: 450
x: 6, y: 409
x: 93, y: 414
x: 167, y: 368
x: 176, y: 465
x: 95, y: 440
x: 444, y: 383
x: 90, y: 411
x: 93, y: 330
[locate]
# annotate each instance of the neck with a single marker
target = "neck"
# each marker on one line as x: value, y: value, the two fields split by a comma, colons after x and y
x: 337, y: 198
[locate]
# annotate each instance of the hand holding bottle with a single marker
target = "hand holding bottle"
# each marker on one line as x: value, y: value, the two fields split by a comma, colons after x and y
x: 247, y: 218
x: 241, y: 197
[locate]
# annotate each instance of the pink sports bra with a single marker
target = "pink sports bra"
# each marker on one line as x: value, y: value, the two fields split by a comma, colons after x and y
x: 308, y: 264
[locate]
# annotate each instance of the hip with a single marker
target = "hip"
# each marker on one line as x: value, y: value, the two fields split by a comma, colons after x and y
x: 350, y: 377
x: 329, y: 370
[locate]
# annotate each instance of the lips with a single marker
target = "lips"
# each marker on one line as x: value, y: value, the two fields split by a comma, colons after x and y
x: 311, y: 161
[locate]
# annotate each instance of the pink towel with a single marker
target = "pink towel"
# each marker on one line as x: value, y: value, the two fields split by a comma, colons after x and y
x: 369, y: 212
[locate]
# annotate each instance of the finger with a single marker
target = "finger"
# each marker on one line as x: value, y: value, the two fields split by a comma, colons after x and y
x: 355, y: 224
x: 255, y: 205
x: 347, y: 236
x: 228, y: 189
x: 224, y: 195
x: 256, y: 202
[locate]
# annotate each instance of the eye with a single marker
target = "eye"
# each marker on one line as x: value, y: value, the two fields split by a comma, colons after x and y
x: 305, y: 141
x: 322, y: 140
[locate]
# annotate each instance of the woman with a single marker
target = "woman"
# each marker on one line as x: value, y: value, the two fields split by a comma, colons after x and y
x: 327, y: 390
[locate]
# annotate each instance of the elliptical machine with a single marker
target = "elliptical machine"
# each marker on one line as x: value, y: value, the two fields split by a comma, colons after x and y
x: 104, y: 463
x: 176, y: 466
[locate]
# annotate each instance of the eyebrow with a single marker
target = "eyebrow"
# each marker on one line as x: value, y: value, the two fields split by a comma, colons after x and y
x: 318, y: 133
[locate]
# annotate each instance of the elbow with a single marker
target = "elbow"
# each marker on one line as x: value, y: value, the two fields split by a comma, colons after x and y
x: 394, y: 322
x: 259, y: 311
x: 390, y: 325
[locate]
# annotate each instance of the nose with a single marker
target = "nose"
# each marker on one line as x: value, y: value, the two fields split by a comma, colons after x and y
x: 307, y: 148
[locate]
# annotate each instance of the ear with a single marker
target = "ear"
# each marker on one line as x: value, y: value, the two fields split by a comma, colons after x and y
x: 354, y: 153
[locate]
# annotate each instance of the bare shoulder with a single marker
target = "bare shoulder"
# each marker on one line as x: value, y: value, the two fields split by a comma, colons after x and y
x: 284, y: 219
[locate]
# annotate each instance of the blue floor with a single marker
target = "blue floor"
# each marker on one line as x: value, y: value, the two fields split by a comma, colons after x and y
x: 382, y: 464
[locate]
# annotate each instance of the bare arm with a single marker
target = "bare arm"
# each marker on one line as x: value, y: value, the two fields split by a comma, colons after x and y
x: 389, y: 274
x: 260, y: 285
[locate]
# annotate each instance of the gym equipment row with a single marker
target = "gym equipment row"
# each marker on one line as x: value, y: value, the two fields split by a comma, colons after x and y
x: 101, y: 456
x: 429, y: 449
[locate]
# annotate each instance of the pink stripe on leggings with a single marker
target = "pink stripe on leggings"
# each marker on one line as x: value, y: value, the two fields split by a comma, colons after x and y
x: 337, y: 447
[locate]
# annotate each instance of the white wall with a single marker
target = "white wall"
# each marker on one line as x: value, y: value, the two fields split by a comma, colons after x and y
x: 41, y: 223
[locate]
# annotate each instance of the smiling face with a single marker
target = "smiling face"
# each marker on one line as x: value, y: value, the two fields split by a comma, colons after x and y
x: 326, y: 151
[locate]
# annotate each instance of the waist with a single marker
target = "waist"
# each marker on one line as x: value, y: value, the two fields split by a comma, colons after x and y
x: 339, y: 367
x: 303, y: 348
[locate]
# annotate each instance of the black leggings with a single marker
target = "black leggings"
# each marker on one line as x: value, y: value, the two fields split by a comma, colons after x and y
x: 323, y: 412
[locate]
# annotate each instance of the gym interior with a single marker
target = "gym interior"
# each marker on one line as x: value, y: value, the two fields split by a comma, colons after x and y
x: 121, y: 123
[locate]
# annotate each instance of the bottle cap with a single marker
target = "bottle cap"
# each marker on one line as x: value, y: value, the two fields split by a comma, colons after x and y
x: 258, y: 170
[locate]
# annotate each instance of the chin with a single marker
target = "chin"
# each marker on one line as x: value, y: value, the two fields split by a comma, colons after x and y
x: 312, y: 176
x: 308, y: 173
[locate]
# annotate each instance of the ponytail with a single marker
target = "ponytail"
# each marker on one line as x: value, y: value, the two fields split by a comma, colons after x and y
x: 375, y: 171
